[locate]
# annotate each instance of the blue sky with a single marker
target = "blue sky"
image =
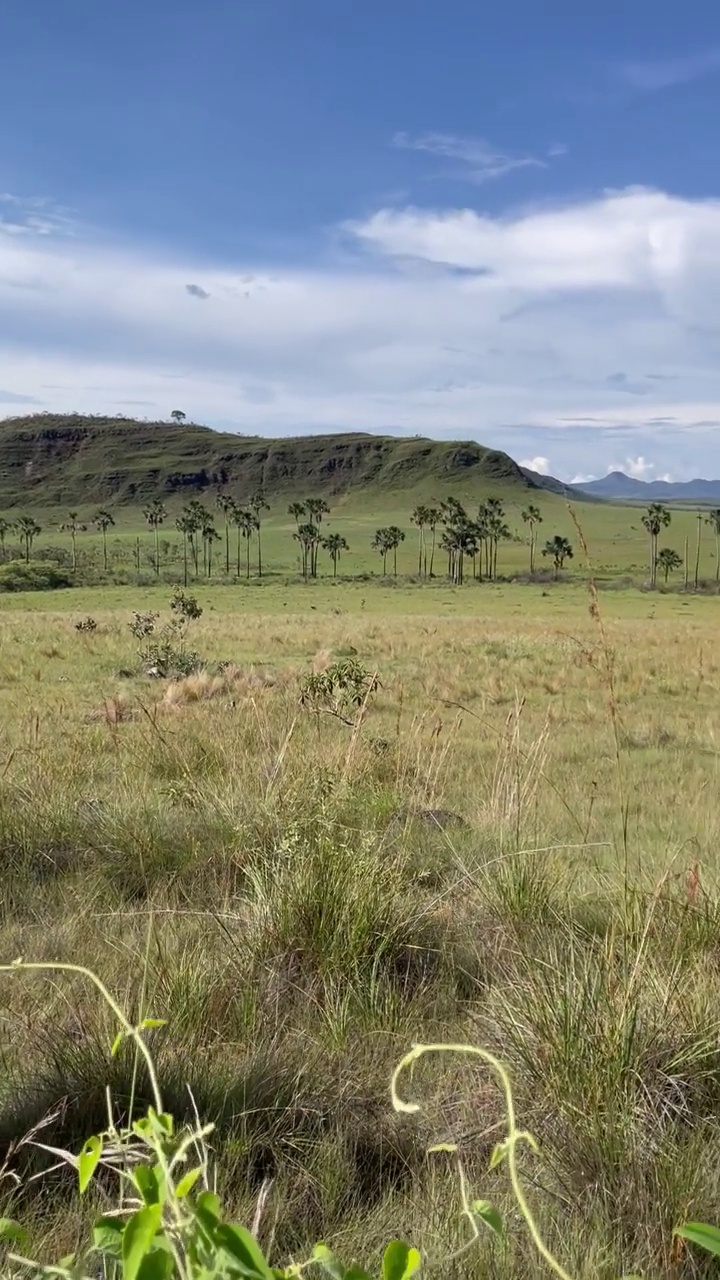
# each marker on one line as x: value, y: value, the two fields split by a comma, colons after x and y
x: 294, y: 215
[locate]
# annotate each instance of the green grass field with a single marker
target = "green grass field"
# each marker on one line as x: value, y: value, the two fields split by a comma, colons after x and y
x: 618, y: 543
x: 275, y: 885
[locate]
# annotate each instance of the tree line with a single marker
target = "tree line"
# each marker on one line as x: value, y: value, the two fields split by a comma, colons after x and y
x: 468, y: 543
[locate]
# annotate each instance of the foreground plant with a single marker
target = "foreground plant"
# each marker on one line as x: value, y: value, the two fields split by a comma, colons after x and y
x: 168, y: 1223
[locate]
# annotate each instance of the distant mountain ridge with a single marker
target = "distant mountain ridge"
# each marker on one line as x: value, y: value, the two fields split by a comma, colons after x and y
x: 619, y: 486
x: 74, y: 460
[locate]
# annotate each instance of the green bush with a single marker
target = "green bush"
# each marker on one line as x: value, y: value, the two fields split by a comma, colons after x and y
x: 32, y: 575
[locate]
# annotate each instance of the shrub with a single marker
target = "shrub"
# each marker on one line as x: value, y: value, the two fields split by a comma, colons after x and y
x: 32, y: 575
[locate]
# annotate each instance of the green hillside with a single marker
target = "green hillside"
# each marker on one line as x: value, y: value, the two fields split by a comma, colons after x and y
x: 54, y: 460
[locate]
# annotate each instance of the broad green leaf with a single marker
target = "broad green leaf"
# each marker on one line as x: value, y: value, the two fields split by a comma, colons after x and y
x: 208, y: 1208
x: 12, y: 1232
x: 116, y: 1043
x: 499, y: 1153
x: 400, y: 1261
x: 355, y: 1272
x: 149, y: 1180
x: 161, y: 1120
x: 700, y: 1233
x: 327, y: 1260
x: 157, y: 1265
x: 88, y: 1161
x: 107, y: 1234
x: 148, y: 1024
x: 138, y: 1238
x: 187, y: 1182
x: 487, y: 1214
x: 243, y: 1249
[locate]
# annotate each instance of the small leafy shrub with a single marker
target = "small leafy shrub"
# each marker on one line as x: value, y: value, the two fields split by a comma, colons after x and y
x: 86, y: 624
x: 185, y: 606
x: 163, y: 658
x: 343, y: 690
x: 143, y: 624
x: 33, y: 575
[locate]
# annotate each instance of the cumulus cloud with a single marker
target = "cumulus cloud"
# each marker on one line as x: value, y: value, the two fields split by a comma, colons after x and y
x: 530, y: 332
x: 640, y: 469
x: 196, y: 291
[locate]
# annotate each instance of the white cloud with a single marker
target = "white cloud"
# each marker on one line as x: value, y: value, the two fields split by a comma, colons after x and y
x: 651, y: 75
x: 591, y: 326
x: 640, y: 469
x: 581, y: 479
x: 479, y: 160
x: 540, y: 465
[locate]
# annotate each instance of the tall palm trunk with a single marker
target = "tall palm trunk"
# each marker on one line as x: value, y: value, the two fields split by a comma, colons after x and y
x: 157, y: 549
x: 697, y: 551
x: 432, y: 552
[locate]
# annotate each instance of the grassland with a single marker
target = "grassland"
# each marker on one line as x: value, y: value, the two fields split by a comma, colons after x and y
x: 275, y: 885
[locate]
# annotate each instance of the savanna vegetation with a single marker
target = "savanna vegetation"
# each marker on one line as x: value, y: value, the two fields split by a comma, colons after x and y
x: 305, y: 780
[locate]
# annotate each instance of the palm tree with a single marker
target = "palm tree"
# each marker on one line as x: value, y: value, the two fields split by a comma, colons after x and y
x: 256, y: 505
x: 5, y: 528
x: 381, y: 543
x: 699, y: 518
x: 334, y: 544
x: 420, y: 518
x: 307, y: 535
x: 297, y: 511
x: 194, y: 516
x: 187, y: 526
x: 226, y: 504
x: 246, y: 523
x: 656, y: 517
x: 560, y: 550
x: 28, y: 530
x: 713, y: 519
x: 155, y: 513
x: 454, y: 516
x: 73, y: 526
x: 432, y: 520
x: 395, y: 537
x: 103, y: 521
x: 669, y: 560
x: 532, y: 517
x: 209, y: 536
x: 460, y: 541
x: 316, y: 508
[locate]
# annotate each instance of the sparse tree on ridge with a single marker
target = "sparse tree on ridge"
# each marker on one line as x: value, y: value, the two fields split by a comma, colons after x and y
x: 28, y: 530
x: 669, y: 560
x: 73, y: 526
x: 334, y: 544
x: 155, y: 513
x: 713, y: 519
x: 103, y: 521
x: 559, y: 550
x: 656, y: 517
x: 532, y: 518
x: 178, y: 416
x: 5, y: 527
x: 256, y: 505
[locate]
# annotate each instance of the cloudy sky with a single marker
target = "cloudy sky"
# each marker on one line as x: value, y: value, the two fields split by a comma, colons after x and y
x: 284, y: 216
